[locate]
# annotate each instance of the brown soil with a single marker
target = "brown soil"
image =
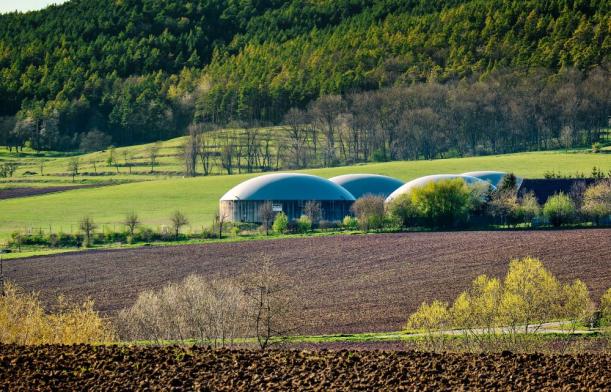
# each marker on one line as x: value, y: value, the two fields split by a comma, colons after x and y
x: 176, y: 368
x: 29, y: 191
x: 350, y: 283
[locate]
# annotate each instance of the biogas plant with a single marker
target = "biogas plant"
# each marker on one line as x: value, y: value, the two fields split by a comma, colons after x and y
x: 289, y: 192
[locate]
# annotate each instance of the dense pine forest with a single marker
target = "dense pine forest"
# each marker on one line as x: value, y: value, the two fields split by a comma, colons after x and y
x: 383, y: 79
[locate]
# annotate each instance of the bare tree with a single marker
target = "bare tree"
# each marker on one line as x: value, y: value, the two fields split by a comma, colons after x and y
x: 94, y: 164
x: 252, y: 148
x: 298, y: 136
x: 131, y: 222
x: 112, y: 159
x: 178, y: 220
x: 87, y: 226
x: 271, y: 302
x: 266, y: 153
x: 8, y: 169
x: 266, y: 214
x: 191, y: 149
x: 205, y: 149
x: 227, y: 153
x: 127, y: 159
x: 73, y: 166
x: 325, y: 112
x: 219, y: 221
x: 212, y: 311
x: 566, y: 137
x: 153, y: 154
x: 313, y: 210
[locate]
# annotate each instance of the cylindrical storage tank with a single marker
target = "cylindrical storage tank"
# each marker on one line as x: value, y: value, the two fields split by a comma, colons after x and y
x: 362, y: 184
x: 421, y: 181
x: 288, y: 192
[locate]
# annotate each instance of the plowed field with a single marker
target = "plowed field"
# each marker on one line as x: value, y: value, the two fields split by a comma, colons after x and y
x: 349, y: 283
x: 29, y: 191
x: 173, y: 368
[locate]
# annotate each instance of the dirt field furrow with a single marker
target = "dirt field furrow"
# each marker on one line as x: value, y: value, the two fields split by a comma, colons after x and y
x: 354, y: 283
x: 175, y: 368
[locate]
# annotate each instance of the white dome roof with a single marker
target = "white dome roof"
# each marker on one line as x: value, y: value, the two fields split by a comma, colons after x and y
x: 362, y: 184
x: 493, y: 177
x: 287, y: 186
x: 418, y: 182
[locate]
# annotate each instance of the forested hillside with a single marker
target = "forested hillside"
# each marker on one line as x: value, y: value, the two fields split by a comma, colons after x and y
x: 143, y: 70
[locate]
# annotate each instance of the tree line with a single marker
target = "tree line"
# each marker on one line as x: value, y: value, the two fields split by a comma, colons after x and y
x: 141, y: 71
x: 503, y: 112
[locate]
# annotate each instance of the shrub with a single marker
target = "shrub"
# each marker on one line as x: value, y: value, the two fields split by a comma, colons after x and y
x: 559, y: 209
x: 527, y: 297
x: 605, y: 309
x: 444, y: 203
x: 23, y: 320
x: 597, y: 201
x: 131, y: 222
x: 509, y: 182
x: 403, y: 210
x: 178, y: 220
x: 87, y: 226
x: 369, y: 210
x: 328, y: 225
x: 304, y: 224
x: 292, y: 227
x: 146, y: 234
x: 213, y: 311
x: 281, y: 223
x: 528, y: 208
x: 350, y: 223
x: 503, y: 206
x: 596, y: 147
x: 313, y: 210
x: 266, y: 215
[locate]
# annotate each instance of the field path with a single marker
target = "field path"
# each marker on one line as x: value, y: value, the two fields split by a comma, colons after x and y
x: 360, y: 283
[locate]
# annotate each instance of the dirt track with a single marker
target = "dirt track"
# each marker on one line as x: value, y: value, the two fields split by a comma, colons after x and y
x: 174, y: 368
x: 350, y: 283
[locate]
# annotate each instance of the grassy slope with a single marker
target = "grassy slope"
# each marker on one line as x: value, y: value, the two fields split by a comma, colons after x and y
x: 198, y: 197
x: 169, y: 163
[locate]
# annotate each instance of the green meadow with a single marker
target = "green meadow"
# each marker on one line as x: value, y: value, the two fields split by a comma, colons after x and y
x: 155, y: 200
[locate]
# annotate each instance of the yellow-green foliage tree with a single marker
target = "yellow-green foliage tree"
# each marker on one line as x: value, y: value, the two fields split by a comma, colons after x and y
x: 23, y: 320
x: 443, y: 203
x: 530, y: 295
x: 520, y: 304
x: 597, y: 201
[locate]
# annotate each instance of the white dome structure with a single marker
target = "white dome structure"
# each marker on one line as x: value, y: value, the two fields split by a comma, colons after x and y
x: 421, y: 181
x: 367, y: 184
x: 288, y: 192
x: 493, y: 177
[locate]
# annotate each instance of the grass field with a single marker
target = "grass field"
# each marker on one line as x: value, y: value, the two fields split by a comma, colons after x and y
x: 155, y: 200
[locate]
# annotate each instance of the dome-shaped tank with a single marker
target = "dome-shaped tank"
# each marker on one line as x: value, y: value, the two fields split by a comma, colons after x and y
x: 493, y: 177
x: 421, y: 181
x: 362, y: 184
x: 287, y: 186
x: 288, y: 193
